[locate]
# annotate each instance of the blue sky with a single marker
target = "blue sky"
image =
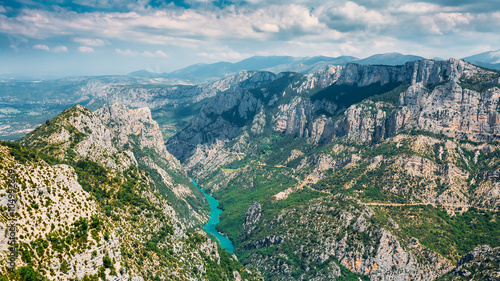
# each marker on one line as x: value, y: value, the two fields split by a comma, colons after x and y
x: 97, y: 37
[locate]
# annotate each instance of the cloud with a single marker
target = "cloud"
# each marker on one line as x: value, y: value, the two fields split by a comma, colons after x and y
x: 42, y: 47
x: 128, y: 52
x: 418, y: 8
x: 2, y: 9
x: 60, y: 49
x: 160, y: 53
x: 241, y: 28
x: 351, y: 16
x: 90, y: 42
x: 442, y: 23
x: 85, y: 49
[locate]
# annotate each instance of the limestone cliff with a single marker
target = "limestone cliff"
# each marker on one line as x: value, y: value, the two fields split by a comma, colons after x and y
x: 118, y: 137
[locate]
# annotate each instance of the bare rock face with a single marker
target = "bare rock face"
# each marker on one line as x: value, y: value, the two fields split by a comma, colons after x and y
x: 449, y: 108
x: 457, y: 112
x: 252, y: 217
x: 218, y: 122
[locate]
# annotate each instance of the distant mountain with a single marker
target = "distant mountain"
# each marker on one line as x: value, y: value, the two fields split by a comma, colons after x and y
x: 203, y: 73
x: 389, y: 59
x: 487, y: 59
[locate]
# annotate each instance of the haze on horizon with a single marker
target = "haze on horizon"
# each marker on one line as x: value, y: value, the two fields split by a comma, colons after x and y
x: 102, y: 37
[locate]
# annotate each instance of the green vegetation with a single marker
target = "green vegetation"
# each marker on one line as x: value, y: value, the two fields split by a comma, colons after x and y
x: 184, y: 206
x: 121, y: 200
x: 479, y: 83
x: 451, y: 236
x: 391, y: 96
x: 346, y: 95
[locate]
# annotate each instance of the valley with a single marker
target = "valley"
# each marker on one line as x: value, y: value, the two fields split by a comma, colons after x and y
x: 348, y: 171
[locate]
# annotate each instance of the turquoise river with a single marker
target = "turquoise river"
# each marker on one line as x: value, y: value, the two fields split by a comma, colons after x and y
x: 215, y: 212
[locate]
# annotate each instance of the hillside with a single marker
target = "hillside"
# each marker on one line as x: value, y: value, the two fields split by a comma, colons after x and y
x: 118, y: 138
x: 78, y: 220
x: 389, y: 172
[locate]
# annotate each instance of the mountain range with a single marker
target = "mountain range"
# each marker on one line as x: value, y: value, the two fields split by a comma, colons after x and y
x: 350, y: 171
x: 203, y: 73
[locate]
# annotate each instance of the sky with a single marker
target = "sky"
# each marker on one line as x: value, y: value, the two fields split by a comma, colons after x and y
x: 102, y: 37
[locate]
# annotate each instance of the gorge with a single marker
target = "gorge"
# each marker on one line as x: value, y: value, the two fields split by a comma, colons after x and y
x: 351, y: 172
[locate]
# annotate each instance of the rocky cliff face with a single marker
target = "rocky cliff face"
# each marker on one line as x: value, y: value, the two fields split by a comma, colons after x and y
x: 450, y: 107
x: 118, y: 137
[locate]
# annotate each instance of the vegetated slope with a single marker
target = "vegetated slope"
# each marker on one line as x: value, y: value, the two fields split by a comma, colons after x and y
x: 480, y: 264
x: 416, y: 144
x: 78, y: 220
x: 117, y: 137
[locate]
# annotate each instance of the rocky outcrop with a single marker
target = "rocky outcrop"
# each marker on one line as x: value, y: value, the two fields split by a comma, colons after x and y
x: 252, y: 217
x: 218, y: 122
x: 483, y: 263
x: 66, y: 232
x: 435, y: 100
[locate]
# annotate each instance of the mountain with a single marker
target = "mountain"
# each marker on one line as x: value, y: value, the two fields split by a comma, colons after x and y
x: 389, y: 59
x: 203, y: 73
x: 487, y: 59
x: 338, y: 89
x: 117, y: 138
x: 370, y: 172
x: 92, y: 204
x: 184, y: 90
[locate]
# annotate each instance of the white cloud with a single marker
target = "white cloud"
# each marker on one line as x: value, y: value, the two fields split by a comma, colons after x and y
x: 126, y: 52
x: 161, y: 54
x: 85, y: 49
x: 442, y: 23
x: 253, y: 26
x: 90, y: 42
x: 42, y: 47
x: 60, y: 49
x: 419, y: 8
x: 2, y: 9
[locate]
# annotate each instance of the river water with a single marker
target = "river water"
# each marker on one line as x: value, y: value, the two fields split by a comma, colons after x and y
x: 214, y: 220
